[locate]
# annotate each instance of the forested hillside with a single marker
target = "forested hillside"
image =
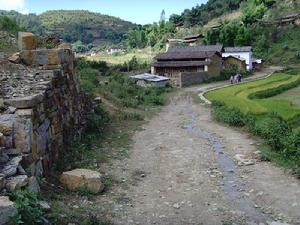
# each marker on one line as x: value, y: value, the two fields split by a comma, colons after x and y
x: 200, y: 15
x: 74, y: 25
x: 255, y: 23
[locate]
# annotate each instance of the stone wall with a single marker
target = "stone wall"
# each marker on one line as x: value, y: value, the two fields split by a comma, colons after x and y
x: 187, y: 79
x: 42, y: 111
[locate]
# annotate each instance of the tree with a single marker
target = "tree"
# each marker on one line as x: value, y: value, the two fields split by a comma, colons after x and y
x: 163, y: 16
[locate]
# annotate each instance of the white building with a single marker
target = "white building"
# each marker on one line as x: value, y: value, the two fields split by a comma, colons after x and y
x: 244, y: 53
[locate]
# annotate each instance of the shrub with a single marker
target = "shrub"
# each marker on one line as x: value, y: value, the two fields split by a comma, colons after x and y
x: 271, y: 127
x: 231, y: 116
x: 29, y: 212
x: 97, y: 121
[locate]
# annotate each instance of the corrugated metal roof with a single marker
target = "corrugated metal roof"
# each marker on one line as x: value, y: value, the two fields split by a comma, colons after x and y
x: 239, y: 49
x: 180, y: 63
x: 149, y: 77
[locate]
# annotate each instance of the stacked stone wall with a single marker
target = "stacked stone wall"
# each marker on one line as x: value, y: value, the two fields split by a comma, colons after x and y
x: 41, y: 114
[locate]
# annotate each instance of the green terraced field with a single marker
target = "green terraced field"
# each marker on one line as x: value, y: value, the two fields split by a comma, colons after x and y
x: 243, y: 96
x: 292, y: 95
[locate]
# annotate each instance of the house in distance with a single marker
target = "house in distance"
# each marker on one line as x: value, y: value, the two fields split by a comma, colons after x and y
x: 243, y: 53
x: 189, y: 65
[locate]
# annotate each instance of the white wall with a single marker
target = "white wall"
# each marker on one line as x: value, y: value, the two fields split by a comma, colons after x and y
x: 248, y: 56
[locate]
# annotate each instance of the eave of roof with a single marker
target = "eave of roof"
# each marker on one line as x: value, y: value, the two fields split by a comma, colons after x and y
x: 175, y: 64
x: 184, y: 55
x: 207, y: 48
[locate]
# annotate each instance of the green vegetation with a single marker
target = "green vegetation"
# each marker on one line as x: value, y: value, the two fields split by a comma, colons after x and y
x: 9, y: 25
x: 291, y: 95
x: 124, y: 108
x: 8, y: 28
x: 260, y: 107
x: 282, y: 144
x: 142, y: 56
x: 251, y: 97
x: 74, y: 25
x: 154, y: 35
x: 200, y: 15
x: 29, y: 211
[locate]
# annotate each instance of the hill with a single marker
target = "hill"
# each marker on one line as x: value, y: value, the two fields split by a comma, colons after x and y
x: 74, y: 25
x: 201, y: 15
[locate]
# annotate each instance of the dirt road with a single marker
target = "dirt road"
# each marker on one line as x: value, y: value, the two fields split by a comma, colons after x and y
x: 182, y: 170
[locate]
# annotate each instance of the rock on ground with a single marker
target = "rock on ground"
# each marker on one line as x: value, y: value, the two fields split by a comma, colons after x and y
x: 82, y: 178
x: 7, y: 209
x: 14, y: 183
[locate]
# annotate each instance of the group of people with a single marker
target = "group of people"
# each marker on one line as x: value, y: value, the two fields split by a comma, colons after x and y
x: 236, y: 79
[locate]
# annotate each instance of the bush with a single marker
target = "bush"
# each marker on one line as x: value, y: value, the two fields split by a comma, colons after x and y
x: 271, y: 127
x: 231, y: 116
x: 29, y: 212
x: 97, y: 121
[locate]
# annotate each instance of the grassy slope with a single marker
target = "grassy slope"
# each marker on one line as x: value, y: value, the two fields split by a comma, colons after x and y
x: 238, y: 96
x: 144, y: 55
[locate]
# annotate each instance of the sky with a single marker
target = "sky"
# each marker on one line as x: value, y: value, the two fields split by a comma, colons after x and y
x: 137, y: 11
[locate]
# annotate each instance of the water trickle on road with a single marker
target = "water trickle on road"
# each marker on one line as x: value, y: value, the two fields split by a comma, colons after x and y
x: 231, y: 183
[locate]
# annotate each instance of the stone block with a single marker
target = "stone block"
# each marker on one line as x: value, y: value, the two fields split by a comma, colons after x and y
x: 2, y: 140
x: 2, y: 181
x: 45, y: 58
x: 33, y: 185
x: 25, y: 102
x: 23, y: 135
x: 65, y: 46
x: 14, y: 183
x: 27, y: 41
x: 10, y: 168
x: 15, y: 58
x: 7, y: 124
x: 26, y: 113
x: 7, y: 210
x: 82, y: 179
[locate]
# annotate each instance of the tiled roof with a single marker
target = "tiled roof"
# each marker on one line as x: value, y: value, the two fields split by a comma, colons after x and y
x: 184, y: 55
x: 239, y: 49
x: 205, y: 48
x: 180, y: 63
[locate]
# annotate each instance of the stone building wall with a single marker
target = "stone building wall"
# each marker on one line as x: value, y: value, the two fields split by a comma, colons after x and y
x: 187, y: 79
x: 42, y: 110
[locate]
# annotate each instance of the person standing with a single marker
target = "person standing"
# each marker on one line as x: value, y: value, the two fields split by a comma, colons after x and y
x: 232, y: 79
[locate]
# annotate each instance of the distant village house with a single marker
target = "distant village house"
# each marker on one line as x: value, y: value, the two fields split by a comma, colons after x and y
x: 243, y: 53
x: 189, y: 65
x: 290, y: 19
x: 238, y: 63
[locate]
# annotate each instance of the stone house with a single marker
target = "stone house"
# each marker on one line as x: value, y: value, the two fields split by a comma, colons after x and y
x: 239, y: 63
x: 192, y: 40
x: 189, y: 65
x: 290, y: 19
x: 244, y: 53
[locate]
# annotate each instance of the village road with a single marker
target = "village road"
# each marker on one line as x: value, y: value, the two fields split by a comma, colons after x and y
x: 183, y: 170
